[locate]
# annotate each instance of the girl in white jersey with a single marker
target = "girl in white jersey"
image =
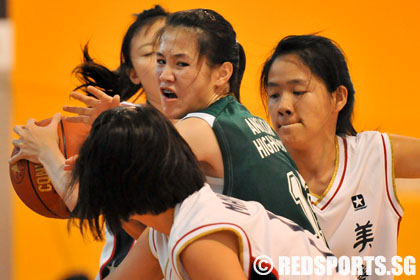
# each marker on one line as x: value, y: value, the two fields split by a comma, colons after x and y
x: 135, y: 166
x: 310, y: 97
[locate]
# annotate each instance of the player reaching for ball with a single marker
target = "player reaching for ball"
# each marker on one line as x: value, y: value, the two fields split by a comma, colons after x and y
x: 135, y: 166
x: 30, y: 179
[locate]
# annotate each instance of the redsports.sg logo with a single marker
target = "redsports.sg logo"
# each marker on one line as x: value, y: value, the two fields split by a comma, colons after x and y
x: 320, y: 265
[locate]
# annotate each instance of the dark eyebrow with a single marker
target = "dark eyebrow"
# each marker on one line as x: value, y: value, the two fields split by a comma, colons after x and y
x: 291, y: 82
x: 180, y: 55
x: 177, y: 55
x: 272, y: 85
x: 143, y: 45
x: 297, y: 81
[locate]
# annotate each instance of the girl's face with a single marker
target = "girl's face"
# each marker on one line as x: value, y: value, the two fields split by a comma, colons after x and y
x: 187, y: 83
x: 300, y: 106
x: 142, y: 54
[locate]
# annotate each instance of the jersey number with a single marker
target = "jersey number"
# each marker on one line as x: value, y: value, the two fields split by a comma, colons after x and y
x: 296, y: 189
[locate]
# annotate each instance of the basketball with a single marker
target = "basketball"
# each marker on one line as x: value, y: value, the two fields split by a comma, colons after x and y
x: 30, y: 180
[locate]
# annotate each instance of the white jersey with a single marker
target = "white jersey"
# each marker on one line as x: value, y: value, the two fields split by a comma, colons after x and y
x: 359, y: 212
x: 114, y: 251
x: 260, y: 233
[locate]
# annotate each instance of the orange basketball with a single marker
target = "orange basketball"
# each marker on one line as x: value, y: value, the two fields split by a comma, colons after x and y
x: 30, y: 180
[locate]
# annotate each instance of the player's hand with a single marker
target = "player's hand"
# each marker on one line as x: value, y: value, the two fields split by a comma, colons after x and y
x: 70, y: 162
x: 95, y: 106
x: 34, y: 140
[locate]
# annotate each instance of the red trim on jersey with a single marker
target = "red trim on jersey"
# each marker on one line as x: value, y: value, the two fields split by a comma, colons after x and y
x: 153, y: 241
x: 342, y: 176
x: 110, y: 258
x: 398, y: 227
x: 200, y: 227
x: 386, y: 178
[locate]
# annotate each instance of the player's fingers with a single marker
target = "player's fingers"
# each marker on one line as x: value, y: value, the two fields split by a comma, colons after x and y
x: 67, y: 167
x: 99, y: 94
x: 78, y: 110
x: 15, y: 158
x: 78, y: 119
x: 72, y: 159
x: 30, y: 121
x: 18, y: 129
x: 115, y: 102
x: 55, y: 119
x: 87, y: 100
x: 116, y: 99
x: 70, y: 162
x: 17, y: 143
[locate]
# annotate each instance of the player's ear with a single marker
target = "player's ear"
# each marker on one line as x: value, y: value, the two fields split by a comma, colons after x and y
x: 340, y: 98
x: 223, y: 73
x: 134, y: 78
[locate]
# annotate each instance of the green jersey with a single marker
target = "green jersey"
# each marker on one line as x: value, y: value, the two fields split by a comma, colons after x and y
x: 256, y: 164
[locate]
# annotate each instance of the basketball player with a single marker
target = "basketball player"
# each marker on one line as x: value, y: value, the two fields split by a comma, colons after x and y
x: 310, y: 97
x: 135, y: 166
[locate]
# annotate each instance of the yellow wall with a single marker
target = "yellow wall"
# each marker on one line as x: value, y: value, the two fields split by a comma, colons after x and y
x: 380, y: 39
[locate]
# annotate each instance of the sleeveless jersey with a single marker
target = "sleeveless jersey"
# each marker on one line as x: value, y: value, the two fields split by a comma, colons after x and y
x: 359, y: 212
x: 256, y: 164
x: 114, y: 251
x: 259, y: 232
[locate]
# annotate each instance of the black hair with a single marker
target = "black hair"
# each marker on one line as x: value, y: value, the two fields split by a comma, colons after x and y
x: 91, y: 73
x: 133, y: 162
x: 216, y: 40
x: 326, y: 60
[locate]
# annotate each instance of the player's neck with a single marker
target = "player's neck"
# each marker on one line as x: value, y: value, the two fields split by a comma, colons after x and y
x: 162, y: 222
x: 317, y: 164
x: 155, y: 102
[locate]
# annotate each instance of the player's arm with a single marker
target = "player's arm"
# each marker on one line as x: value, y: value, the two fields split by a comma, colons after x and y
x: 406, y: 156
x: 215, y: 256
x: 40, y: 145
x: 202, y: 141
x: 139, y: 263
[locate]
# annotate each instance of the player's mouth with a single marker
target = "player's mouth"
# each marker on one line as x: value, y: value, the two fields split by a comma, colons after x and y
x: 286, y: 124
x: 168, y: 93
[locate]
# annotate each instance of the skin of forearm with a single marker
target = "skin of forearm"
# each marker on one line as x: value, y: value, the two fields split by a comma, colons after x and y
x: 53, y: 161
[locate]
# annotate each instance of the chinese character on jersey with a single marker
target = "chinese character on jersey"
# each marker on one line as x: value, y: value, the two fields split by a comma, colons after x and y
x: 364, y: 236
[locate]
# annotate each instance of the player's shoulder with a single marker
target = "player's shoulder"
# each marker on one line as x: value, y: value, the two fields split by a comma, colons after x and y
x: 365, y: 139
x: 195, y: 126
x: 205, y: 207
x: 194, y: 130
